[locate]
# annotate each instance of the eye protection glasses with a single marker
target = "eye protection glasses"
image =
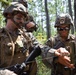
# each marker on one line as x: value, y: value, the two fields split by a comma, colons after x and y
x: 65, y: 28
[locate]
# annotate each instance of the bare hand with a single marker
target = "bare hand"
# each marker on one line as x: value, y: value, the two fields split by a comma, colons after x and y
x: 65, y: 60
x: 7, y: 72
x: 62, y: 52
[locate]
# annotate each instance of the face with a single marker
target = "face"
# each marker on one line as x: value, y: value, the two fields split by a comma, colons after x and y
x: 19, y: 19
x: 30, y: 27
x: 63, y: 30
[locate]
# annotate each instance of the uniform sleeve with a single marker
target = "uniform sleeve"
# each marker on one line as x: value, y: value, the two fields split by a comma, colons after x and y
x: 50, y: 42
x: 34, y: 40
x: 47, y: 52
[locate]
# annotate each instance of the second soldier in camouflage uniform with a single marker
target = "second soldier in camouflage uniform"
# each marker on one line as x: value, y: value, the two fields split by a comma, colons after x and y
x: 63, y: 24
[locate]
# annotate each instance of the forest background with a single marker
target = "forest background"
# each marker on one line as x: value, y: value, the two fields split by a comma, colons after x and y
x: 44, y: 13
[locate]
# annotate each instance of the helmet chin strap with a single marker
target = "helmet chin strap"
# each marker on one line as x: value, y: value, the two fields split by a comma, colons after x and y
x: 17, y: 24
x: 12, y: 19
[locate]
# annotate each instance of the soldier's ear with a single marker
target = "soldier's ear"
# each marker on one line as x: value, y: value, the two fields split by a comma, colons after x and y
x: 9, y: 16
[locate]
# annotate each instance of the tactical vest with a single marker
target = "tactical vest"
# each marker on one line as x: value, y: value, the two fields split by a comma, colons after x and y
x: 14, y: 48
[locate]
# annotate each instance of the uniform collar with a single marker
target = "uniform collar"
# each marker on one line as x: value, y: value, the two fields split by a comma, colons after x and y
x: 70, y: 37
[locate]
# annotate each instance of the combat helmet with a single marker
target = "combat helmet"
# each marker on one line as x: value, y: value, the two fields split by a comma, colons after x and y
x: 63, y: 19
x: 24, y: 2
x: 15, y: 7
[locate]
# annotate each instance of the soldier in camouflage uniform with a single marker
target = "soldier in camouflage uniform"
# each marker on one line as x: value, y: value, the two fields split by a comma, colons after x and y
x: 30, y: 25
x: 63, y: 24
x: 14, y: 47
x: 15, y: 43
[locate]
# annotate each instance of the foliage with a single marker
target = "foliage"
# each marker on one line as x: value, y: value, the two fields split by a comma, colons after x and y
x: 37, y: 9
x: 3, y: 4
x: 42, y: 69
x: 1, y: 20
x: 75, y: 33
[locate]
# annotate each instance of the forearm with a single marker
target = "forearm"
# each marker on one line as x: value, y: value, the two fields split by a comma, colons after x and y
x: 47, y: 54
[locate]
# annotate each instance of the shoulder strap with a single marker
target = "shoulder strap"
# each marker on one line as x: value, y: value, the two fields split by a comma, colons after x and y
x: 13, y: 45
x: 53, y: 41
x: 73, y: 50
x: 26, y: 36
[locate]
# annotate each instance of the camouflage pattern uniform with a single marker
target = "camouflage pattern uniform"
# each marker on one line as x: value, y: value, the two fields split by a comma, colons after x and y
x: 19, y: 45
x: 69, y: 44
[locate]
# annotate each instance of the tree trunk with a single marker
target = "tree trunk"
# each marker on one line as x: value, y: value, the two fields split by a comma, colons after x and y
x: 70, y: 12
x: 75, y: 14
x: 47, y: 21
x: 15, y: 0
x: 70, y: 8
x: 56, y: 7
